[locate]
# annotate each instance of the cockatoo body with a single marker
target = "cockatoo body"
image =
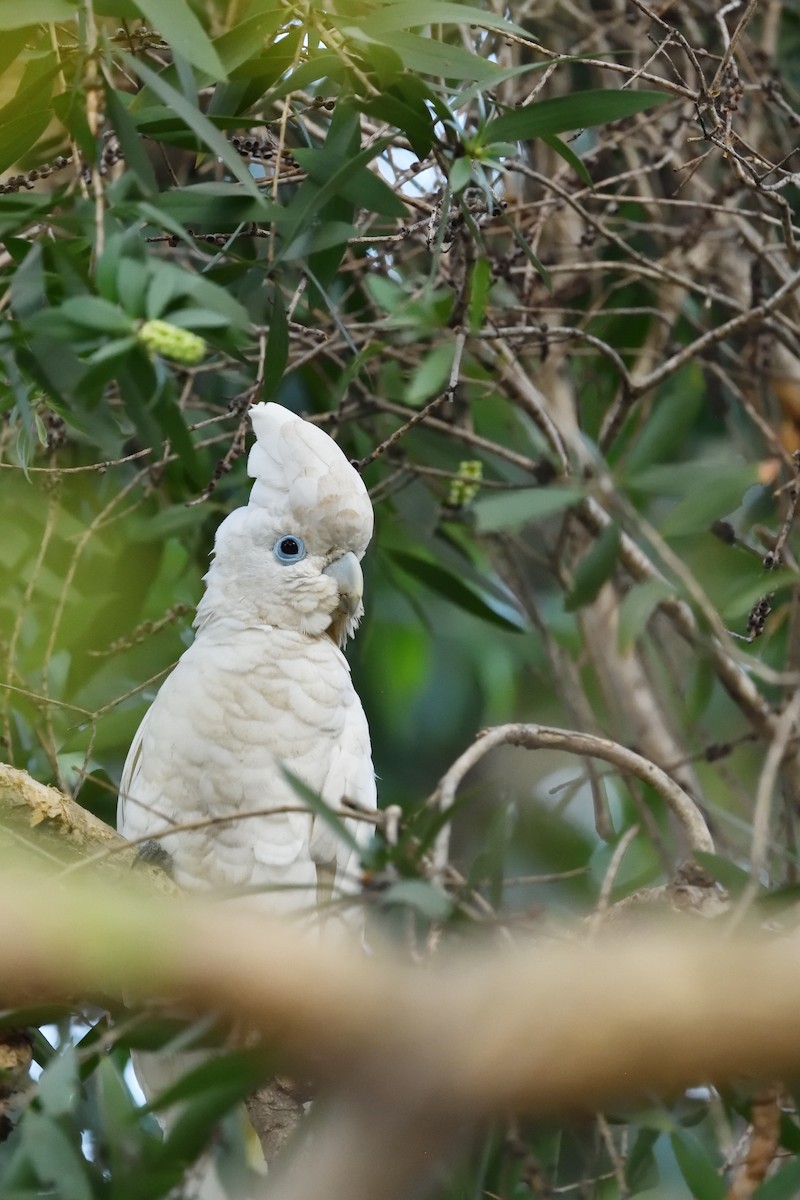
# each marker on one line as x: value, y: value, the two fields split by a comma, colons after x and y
x: 265, y: 689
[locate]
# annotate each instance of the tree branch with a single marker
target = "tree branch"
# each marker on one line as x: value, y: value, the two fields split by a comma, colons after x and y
x: 542, y: 737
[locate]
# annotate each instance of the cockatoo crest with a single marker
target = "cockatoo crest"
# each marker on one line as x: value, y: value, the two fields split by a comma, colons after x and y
x: 302, y: 478
x: 289, y: 558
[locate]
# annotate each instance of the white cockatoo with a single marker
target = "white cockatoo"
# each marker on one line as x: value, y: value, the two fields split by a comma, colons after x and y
x: 262, y: 697
x: 265, y: 689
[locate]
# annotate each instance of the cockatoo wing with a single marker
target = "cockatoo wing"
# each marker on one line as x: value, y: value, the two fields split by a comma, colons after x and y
x: 350, y: 776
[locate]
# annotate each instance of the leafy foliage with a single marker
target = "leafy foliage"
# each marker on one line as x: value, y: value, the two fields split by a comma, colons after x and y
x: 554, y: 321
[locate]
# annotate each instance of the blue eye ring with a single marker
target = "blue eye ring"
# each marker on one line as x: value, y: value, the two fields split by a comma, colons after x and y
x: 289, y: 548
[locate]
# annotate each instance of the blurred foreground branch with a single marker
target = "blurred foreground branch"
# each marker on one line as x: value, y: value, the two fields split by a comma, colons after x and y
x: 655, y: 1010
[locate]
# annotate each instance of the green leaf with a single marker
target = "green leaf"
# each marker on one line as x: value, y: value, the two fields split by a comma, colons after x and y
x: 641, y: 1171
x: 460, y: 174
x: 790, y: 1130
x: 438, y: 579
x: 361, y: 187
x: 238, y: 45
x: 58, y: 1083
x: 527, y: 250
x: 208, y: 1093
x: 636, y: 609
x: 564, y: 113
x: 731, y: 876
x: 217, y: 206
x: 716, y: 492
x: 197, y: 121
x: 277, y: 351
x: 179, y: 26
x: 514, y: 509
x: 12, y: 46
x: 674, y: 413
x: 431, y: 375
x: 784, y: 1184
x: 701, y: 1178
x: 19, y: 134
x: 16, y: 15
x: 408, y: 13
x: 321, y: 809
x: 172, y: 424
x: 55, y: 1158
x: 427, y: 899
x: 118, y: 1113
x: 680, y: 478
x: 439, y: 58
x: 95, y: 313
x: 596, y: 566
x: 18, y: 209
x: 236, y: 1071
x: 405, y: 111
x: 479, y: 286
x: 312, y: 196
x: 569, y: 156
x: 319, y: 66
x: 170, y: 283
x: 131, y: 144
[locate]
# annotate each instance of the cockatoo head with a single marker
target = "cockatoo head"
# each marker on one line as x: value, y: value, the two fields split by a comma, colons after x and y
x: 290, y: 557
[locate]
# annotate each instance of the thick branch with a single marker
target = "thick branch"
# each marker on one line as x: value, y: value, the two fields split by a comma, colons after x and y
x: 547, y: 1029
x: 52, y: 826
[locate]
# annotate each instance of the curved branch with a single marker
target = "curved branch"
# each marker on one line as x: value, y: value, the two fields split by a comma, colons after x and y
x: 543, y: 737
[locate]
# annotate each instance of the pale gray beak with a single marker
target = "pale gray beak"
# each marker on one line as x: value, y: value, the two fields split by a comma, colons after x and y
x: 346, y: 573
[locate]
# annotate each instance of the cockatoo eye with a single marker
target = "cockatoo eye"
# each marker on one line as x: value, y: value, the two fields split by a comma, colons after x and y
x: 289, y: 549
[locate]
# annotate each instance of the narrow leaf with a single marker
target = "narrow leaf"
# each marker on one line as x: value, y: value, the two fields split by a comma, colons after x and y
x: 515, y: 509
x: 428, y: 900
x: 131, y: 143
x: 319, y: 808
x: 432, y: 57
x: 527, y: 250
x: 783, y: 1185
x: 18, y: 135
x: 95, y: 313
x: 696, y: 1168
x: 438, y: 579
x: 594, y: 569
x: 277, y: 351
x: 637, y: 608
x: 729, y: 874
x: 479, y: 286
x: 55, y: 1157
x: 16, y: 15
x: 196, y: 121
x: 311, y: 196
x: 179, y: 26
x: 714, y: 495
x: 238, y: 45
x: 569, y: 156
x: 408, y: 13
x: 12, y: 46
x: 564, y: 113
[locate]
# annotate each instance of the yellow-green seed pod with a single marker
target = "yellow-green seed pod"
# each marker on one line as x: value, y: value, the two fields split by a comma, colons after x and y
x: 465, y: 488
x: 170, y: 341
